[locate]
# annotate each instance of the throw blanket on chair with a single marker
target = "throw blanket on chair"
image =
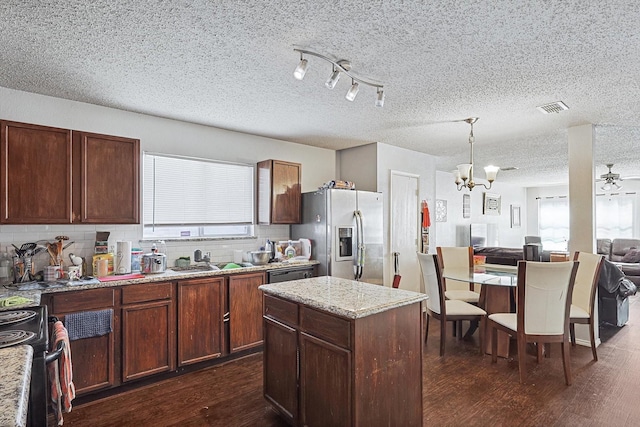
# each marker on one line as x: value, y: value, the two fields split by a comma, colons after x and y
x: 61, y: 374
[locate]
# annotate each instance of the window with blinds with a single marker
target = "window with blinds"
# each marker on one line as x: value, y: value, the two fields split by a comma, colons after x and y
x: 187, y: 197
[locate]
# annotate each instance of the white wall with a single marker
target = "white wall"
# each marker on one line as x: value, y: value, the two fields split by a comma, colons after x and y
x: 164, y: 136
x: 450, y: 233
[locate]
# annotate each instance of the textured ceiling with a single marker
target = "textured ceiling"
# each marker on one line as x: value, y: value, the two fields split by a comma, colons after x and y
x: 229, y: 64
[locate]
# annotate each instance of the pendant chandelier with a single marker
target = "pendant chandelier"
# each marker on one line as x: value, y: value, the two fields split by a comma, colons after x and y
x: 464, y: 173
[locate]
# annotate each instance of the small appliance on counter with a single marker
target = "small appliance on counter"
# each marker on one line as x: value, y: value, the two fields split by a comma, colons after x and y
x: 154, y: 261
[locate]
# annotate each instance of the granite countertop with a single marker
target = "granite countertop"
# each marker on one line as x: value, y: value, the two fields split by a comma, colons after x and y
x: 15, y: 363
x: 169, y: 274
x: 342, y: 297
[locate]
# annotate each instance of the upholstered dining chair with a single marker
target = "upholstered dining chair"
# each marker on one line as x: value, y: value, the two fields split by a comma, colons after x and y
x: 457, y: 258
x: 542, y: 314
x: 584, y: 295
x: 440, y: 308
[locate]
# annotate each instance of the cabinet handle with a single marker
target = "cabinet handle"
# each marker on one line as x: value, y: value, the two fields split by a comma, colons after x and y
x: 225, y: 318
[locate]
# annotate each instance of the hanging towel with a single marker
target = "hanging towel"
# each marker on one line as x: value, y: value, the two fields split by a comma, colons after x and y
x: 89, y: 324
x: 61, y: 374
x: 426, y: 219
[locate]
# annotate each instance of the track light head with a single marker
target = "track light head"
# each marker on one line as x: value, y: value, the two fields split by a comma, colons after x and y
x: 335, y: 76
x: 353, y: 91
x: 380, y: 98
x: 301, y: 69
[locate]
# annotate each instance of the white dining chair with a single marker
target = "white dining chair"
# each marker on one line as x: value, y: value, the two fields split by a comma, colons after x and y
x: 457, y: 258
x: 442, y: 309
x: 584, y: 296
x: 542, y: 314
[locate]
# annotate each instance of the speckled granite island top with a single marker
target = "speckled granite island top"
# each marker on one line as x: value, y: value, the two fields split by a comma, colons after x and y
x: 15, y: 363
x: 342, y: 297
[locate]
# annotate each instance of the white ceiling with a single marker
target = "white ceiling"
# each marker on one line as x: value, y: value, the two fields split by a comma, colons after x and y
x: 229, y: 64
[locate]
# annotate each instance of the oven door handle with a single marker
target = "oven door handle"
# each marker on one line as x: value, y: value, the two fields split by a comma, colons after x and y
x: 54, y: 355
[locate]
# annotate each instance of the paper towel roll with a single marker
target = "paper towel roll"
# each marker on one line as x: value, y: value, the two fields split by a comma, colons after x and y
x: 123, y: 258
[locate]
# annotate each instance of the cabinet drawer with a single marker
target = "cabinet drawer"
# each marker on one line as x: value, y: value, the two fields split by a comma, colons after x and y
x: 83, y: 300
x: 147, y: 292
x: 325, y: 326
x: 284, y: 311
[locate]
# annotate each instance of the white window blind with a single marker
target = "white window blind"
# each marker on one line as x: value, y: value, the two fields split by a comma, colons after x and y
x: 615, y: 216
x: 186, y: 191
x: 553, y: 223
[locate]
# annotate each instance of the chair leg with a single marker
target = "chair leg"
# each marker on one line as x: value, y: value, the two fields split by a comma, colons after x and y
x: 593, y: 340
x: 482, y: 326
x: 540, y: 348
x: 572, y: 333
x: 426, y: 328
x: 443, y: 335
x: 566, y: 362
x: 522, y: 353
x: 455, y: 327
x: 494, y: 345
x: 459, y: 328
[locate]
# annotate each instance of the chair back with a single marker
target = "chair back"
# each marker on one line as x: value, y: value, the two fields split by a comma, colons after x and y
x: 432, y: 281
x: 455, y: 258
x: 544, y: 290
x: 584, y: 290
x: 532, y: 239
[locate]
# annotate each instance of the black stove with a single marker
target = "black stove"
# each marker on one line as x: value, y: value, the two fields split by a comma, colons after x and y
x: 29, y: 326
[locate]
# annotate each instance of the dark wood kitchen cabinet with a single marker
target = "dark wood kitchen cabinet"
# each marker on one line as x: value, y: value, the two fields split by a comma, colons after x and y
x: 62, y: 176
x: 321, y: 369
x: 200, y: 319
x: 279, y: 192
x: 245, y: 311
x: 94, y: 358
x: 35, y: 166
x: 106, y: 179
x: 148, y: 330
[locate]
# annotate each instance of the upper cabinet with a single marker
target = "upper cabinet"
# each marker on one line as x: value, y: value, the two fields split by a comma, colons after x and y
x: 35, y: 165
x: 279, y: 192
x: 108, y: 180
x: 59, y: 176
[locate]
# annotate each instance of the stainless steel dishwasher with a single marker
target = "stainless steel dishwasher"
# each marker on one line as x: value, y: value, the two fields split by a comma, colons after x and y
x: 285, y: 274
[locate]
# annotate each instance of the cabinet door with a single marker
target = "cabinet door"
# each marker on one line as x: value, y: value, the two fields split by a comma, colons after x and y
x: 279, y: 192
x: 245, y: 311
x: 281, y: 368
x: 147, y: 339
x: 325, y: 383
x: 35, y: 169
x: 200, y: 319
x: 107, y: 190
x: 93, y: 363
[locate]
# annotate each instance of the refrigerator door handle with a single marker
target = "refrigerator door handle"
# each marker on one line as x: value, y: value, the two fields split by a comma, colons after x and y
x: 359, y: 245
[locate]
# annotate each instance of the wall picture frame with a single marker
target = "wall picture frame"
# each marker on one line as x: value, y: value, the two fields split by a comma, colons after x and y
x: 466, y: 206
x: 515, y: 216
x: 491, y: 205
x: 441, y: 211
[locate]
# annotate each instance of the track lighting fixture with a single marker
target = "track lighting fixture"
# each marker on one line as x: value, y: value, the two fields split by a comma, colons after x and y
x: 335, y: 76
x: 339, y: 67
x: 353, y: 91
x: 301, y: 69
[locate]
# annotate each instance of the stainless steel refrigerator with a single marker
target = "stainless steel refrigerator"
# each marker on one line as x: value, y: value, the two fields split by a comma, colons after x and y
x: 346, y: 233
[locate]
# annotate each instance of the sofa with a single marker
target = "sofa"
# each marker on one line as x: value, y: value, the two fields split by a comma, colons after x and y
x: 625, y: 253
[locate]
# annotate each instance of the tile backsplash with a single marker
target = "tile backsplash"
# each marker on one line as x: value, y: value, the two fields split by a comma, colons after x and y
x: 83, y: 238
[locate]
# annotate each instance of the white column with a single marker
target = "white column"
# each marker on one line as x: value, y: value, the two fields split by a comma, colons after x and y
x: 582, y: 204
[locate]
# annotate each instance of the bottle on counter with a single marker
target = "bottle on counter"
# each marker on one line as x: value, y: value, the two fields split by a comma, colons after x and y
x: 290, y: 251
x: 6, y: 270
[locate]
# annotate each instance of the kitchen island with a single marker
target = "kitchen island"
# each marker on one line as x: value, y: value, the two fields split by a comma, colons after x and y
x: 343, y: 353
x: 14, y: 387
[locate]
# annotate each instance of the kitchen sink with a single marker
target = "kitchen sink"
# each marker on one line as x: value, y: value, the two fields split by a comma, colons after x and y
x: 194, y: 268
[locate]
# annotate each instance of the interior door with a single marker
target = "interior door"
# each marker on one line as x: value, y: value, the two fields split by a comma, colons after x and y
x: 405, y: 229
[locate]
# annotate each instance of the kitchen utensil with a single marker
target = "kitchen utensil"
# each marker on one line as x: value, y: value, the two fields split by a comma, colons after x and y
x: 154, y: 263
x: 75, y: 260
x: 260, y: 257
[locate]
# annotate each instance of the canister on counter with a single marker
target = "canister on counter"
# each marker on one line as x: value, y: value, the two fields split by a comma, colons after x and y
x: 136, y: 258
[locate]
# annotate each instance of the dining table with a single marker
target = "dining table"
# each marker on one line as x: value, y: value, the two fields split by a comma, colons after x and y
x: 497, y: 294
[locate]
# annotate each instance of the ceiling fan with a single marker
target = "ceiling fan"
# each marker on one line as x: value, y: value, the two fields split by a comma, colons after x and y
x: 611, y: 179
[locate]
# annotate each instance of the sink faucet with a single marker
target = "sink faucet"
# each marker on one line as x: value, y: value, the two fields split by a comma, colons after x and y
x: 197, y: 257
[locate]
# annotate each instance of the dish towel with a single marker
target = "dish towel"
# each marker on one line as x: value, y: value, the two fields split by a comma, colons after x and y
x: 89, y: 324
x: 61, y: 374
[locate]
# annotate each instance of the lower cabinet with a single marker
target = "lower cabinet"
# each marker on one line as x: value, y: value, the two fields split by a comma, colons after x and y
x: 245, y: 311
x: 324, y: 370
x: 148, y: 330
x: 200, y: 319
x: 94, y: 358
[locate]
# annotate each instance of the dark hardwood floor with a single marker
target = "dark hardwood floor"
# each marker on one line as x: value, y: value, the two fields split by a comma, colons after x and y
x: 464, y: 389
